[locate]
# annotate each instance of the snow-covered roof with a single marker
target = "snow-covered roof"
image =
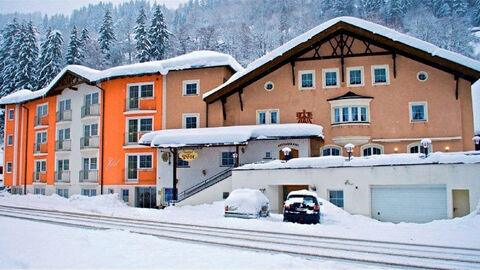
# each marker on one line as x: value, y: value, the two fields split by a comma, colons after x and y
x: 365, y: 25
x: 375, y: 160
x: 228, y: 135
x: 196, y: 59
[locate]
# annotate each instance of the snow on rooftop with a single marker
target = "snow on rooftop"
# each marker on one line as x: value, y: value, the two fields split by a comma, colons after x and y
x: 375, y: 160
x: 363, y: 24
x: 228, y: 135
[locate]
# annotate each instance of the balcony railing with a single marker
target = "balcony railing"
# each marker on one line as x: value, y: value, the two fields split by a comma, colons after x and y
x: 133, y: 137
x: 40, y: 148
x: 89, y: 142
x: 135, y: 175
x: 139, y: 104
x: 88, y: 176
x: 65, y: 115
x: 63, y: 145
x: 41, y: 120
x: 90, y: 110
x: 131, y: 175
x: 39, y: 177
x: 62, y: 176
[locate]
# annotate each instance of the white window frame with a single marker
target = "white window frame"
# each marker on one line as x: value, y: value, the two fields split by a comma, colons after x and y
x: 221, y: 158
x: 324, y: 78
x: 425, y: 106
x: 139, y: 123
x: 426, y: 76
x: 42, y: 105
x: 382, y: 148
x: 46, y: 136
x: 362, y: 76
x: 184, y: 83
x: 364, y: 102
x: 11, y: 114
x: 9, y: 140
x: 7, y: 169
x: 64, y: 138
x: 268, y: 116
x: 140, y: 89
x: 331, y: 146
x: 64, y: 101
x: 387, y: 74
x: 138, y: 164
x: 40, y: 161
x: 300, y: 73
x: 267, y: 83
x: 184, y: 119
x: 430, y: 148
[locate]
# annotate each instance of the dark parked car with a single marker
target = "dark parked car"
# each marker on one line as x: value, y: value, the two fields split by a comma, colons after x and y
x: 302, y: 206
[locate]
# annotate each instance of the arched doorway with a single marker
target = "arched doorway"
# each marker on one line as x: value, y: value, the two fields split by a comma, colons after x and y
x: 293, y: 154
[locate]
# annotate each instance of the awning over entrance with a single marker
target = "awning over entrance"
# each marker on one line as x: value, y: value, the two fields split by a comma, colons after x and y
x: 235, y: 135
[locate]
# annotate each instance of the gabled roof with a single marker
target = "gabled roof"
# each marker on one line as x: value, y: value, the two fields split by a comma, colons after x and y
x: 382, y: 36
x: 350, y: 95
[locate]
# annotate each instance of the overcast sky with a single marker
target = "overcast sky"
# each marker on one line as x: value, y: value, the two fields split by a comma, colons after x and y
x: 66, y: 7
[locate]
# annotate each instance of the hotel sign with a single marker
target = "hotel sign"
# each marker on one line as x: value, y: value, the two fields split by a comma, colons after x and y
x: 188, y: 155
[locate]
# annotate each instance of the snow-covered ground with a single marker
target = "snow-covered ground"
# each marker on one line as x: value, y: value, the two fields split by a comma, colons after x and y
x: 462, y: 232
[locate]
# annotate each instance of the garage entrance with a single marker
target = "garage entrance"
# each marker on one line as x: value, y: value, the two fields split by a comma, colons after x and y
x: 409, y: 203
x: 289, y: 188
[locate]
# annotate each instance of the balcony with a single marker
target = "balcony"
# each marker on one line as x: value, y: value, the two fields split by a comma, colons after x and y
x: 62, y: 177
x: 63, y: 116
x: 40, y: 148
x: 90, y: 110
x: 139, y: 175
x: 132, y: 138
x: 40, y: 177
x: 91, y: 142
x: 41, y: 120
x: 88, y: 176
x: 63, y: 145
x: 140, y: 104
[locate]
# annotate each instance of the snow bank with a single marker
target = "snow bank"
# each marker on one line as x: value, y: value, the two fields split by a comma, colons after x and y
x: 228, y: 135
x: 248, y: 201
x: 365, y: 25
x: 375, y: 160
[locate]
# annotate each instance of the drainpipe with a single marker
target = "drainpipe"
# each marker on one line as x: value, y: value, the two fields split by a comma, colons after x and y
x: 26, y: 154
x: 103, y: 136
x: 174, y: 151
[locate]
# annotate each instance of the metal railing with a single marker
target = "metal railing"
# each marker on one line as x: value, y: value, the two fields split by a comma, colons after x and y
x: 131, y: 175
x: 88, y: 176
x: 63, y: 145
x: 65, y: 115
x: 62, y: 176
x: 204, y: 184
x: 37, y: 177
x: 133, y: 137
x: 89, y: 142
x: 40, y: 148
x: 41, y: 120
x: 136, y: 104
x: 91, y: 110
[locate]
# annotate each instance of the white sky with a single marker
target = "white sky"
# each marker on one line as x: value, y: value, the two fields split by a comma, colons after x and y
x: 66, y: 7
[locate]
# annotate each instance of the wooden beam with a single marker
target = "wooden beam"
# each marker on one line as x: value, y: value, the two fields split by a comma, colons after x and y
x: 337, y: 56
x: 456, y: 87
x: 394, y: 57
x: 224, y: 100
x: 206, y: 115
x: 240, y: 92
x: 293, y: 71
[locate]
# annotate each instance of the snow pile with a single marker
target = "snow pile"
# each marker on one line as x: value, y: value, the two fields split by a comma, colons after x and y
x: 228, y: 135
x: 365, y: 25
x: 375, y: 160
x: 247, y: 201
x: 91, y: 204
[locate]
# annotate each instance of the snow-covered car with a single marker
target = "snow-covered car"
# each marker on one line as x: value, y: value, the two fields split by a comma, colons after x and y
x: 302, y: 206
x: 247, y: 203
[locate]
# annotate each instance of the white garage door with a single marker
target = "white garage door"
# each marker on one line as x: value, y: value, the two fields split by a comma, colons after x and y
x: 409, y: 203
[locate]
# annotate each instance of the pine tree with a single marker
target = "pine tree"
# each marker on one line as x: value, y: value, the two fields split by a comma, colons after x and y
x: 50, y: 58
x: 343, y: 7
x: 106, y: 37
x: 283, y: 23
x: 158, y: 35
x: 476, y: 12
x: 83, y: 44
x: 26, y: 68
x: 142, y: 44
x: 9, y: 57
x: 73, y: 52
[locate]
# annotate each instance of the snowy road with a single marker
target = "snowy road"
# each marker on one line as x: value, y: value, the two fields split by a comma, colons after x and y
x: 379, y: 253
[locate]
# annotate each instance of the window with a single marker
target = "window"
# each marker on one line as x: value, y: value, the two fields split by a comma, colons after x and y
x: 330, y: 77
x: 63, y: 192
x: 418, y: 111
x: 10, y: 140
x: 355, y: 76
x: 370, y: 150
x: 41, y: 137
x: 191, y: 88
x: 91, y: 98
x: 9, y: 167
x: 39, y: 191
x: 331, y: 151
x: 42, y: 110
x: 190, y: 120
x: 145, y: 162
x: 268, y: 117
x: 307, y: 79
x: 89, y: 192
x: 227, y: 159
x: 63, y: 134
x: 269, y: 86
x: 380, y: 75
x: 90, y: 130
x: 10, y: 114
x: 336, y: 197
x: 136, y: 127
x: 416, y: 148
x: 146, y: 124
x: 422, y: 76
x: 182, y: 163
x: 268, y: 155
x: 65, y: 105
x: 63, y: 165
x: 146, y: 91
x: 125, y: 195
x: 350, y: 114
x: 40, y: 165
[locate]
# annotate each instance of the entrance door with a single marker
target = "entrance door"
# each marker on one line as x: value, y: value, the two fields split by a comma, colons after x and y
x: 289, y: 188
x: 293, y: 154
x: 461, y: 202
x: 145, y: 197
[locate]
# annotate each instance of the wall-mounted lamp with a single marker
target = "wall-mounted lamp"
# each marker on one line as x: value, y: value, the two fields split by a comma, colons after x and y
x: 447, y: 148
x: 349, y: 147
x: 426, y: 144
x: 395, y: 149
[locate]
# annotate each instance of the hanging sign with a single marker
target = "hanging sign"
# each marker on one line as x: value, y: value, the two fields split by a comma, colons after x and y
x: 188, y: 155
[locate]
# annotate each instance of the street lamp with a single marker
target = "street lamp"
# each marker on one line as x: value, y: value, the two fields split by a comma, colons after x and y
x: 349, y: 147
x: 476, y: 140
x: 426, y: 144
x: 286, y: 153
